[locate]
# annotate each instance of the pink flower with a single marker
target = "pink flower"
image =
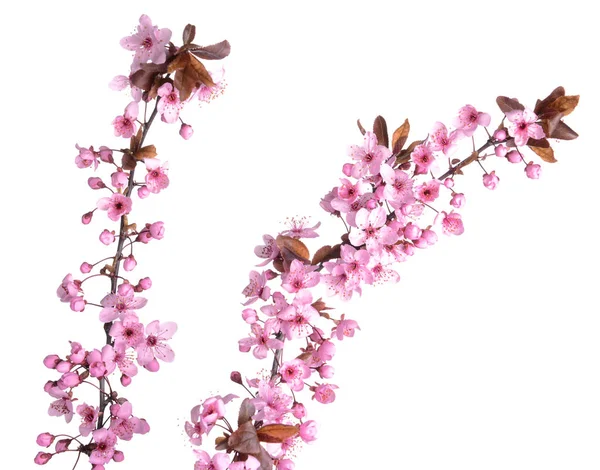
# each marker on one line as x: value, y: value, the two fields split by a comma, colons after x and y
x: 429, y: 191
x: 122, y: 303
x: 251, y: 463
x: 533, y: 170
x: 127, y: 333
x: 423, y: 158
x: 61, y: 407
x: 344, y: 328
x: 69, y: 289
x: 219, y: 461
x: 523, y: 126
x: 371, y: 230
x: 398, y: 185
x: 154, y: 345
x: 105, y: 441
x: 368, y: 157
x: 298, y: 228
x: 156, y: 178
x: 293, y: 373
x: 125, y: 125
x: 469, y: 118
x: 86, y: 157
x: 89, y: 416
x: 124, y: 424
x: 443, y: 141
x: 300, y: 276
x: 269, y: 250
x: 149, y: 43
x: 257, y: 288
x: 490, y: 180
x: 169, y: 104
x: 324, y: 393
x: 298, y: 317
x: 117, y: 205
x: 451, y: 223
x: 206, y: 93
x: 261, y: 340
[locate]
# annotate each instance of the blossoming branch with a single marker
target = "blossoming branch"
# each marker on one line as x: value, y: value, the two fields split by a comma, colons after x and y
x: 163, y: 80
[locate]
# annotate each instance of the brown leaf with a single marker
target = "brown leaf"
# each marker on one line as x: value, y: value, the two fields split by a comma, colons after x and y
x: 325, y: 253
x: 546, y: 154
x: 563, y: 132
x: 360, y: 127
x: 213, y: 52
x: 540, y: 143
x: 509, y: 104
x: 244, y: 439
x: 190, y: 76
x: 247, y: 410
x: 293, y: 246
x: 128, y: 161
x: 400, y: 136
x: 144, y: 78
x: 276, y: 433
x: 320, y: 306
x: 148, y: 151
x: 179, y: 62
x: 189, y: 32
x: 380, y: 131
x: 404, y: 155
x: 541, y: 106
x: 565, y: 104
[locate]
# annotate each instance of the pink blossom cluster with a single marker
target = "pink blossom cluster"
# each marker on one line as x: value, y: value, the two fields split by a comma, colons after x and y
x: 392, y: 205
x: 131, y: 341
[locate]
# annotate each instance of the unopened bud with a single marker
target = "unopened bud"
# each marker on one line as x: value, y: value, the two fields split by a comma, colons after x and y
x: 236, y: 377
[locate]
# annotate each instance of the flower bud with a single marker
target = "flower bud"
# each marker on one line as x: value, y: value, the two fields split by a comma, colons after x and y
x: 298, y: 410
x: 533, y: 170
x: 107, y: 237
x: 125, y: 380
x: 118, y: 456
x: 236, y: 377
x: 42, y: 458
x: 326, y: 371
x: 347, y: 169
x: 96, y: 183
x: 129, y: 263
x: 45, y: 439
x: 449, y: 183
x: 106, y: 154
x: 62, y: 445
x: 500, y: 134
x: 513, y: 156
x: 85, y: 267
x: 501, y: 150
x: 77, y: 304
x: 143, y: 192
x: 458, y: 200
x: 51, y: 361
x: 145, y: 283
x: 186, y: 131
x: 157, y: 230
x: 490, y: 180
x: 86, y: 218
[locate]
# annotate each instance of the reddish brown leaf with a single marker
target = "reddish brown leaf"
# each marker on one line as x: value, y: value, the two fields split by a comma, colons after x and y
x: 189, y: 32
x: 213, y: 52
x: 148, y: 151
x: 244, y: 439
x: 180, y: 62
x: 276, y: 433
x: 128, y: 161
x: 509, y: 104
x: 563, y: 132
x: 360, y: 127
x: 190, y: 76
x: 247, y: 410
x: 400, y: 136
x: 145, y: 77
x: 325, y: 253
x: 380, y: 131
x: 540, y: 106
x: 320, y: 306
x: 546, y: 154
x: 293, y: 246
x: 565, y: 104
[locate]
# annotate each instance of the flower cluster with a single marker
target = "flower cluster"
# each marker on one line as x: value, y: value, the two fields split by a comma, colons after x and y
x: 131, y: 341
x: 393, y: 201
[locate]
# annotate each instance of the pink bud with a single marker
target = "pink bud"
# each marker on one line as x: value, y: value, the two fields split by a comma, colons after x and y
x: 70, y: 379
x: 86, y: 218
x: 62, y: 445
x: 125, y: 289
x: 249, y: 315
x: 119, y: 179
x: 412, y: 231
x: 129, y: 263
x: 125, y: 380
x: 236, y: 377
x: 325, y: 371
x: 64, y: 366
x: 270, y: 274
x: 285, y: 464
x: 513, y: 156
x: 107, y: 237
x: 458, y: 200
x: 51, y: 361
x: 45, y: 439
x: 106, y: 154
x: 449, y: 183
x: 118, y: 456
x: 96, y: 183
x: 152, y: 366
x: 533, y: 170
x: 372, y: 204
x: 145, y: 283
x: 144, y: 236
x: 85, y: 267
x: 298, y: 410
x: 186, y: 131
x: 143, y: 192
x: 308, y: 431
x: 77, y: 304
x: 501, y: 150
x: 500, y: 134
x: 42, y: 458
x: 490, y: 180
x: 157, y: 230
x: 347, y: 169
x: 430, y: 236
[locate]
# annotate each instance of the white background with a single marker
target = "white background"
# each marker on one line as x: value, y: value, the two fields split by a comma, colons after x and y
x: 484, y: 356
